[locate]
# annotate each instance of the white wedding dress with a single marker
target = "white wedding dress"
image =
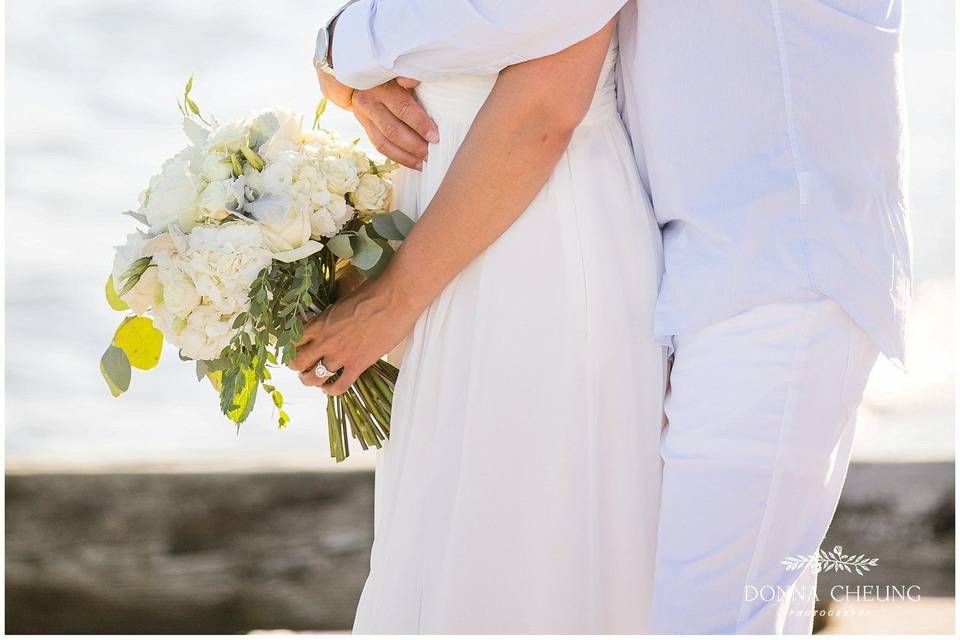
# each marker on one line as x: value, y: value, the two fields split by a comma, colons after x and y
x: 520, y: 486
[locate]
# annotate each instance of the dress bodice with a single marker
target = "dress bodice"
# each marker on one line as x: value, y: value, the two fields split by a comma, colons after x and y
x: 460, y: 97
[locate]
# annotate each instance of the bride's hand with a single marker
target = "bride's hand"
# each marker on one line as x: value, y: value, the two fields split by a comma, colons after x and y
x: 352, y: 335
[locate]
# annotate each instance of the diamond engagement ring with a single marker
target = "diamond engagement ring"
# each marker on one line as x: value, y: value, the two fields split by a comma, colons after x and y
x: 322, y: 371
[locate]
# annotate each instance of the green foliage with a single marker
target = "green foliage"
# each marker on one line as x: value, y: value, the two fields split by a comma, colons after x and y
x: 321, y: 107
x: 113, y: 298
x: 189, y: 108
x: 115, y: 368
x: 238, y: 394
x: 385, y: 227
x: 403, y: 222
x: 252, y: 158
x: 131, y: 276
x: 366, y: 252
x: 282, y: 298
x: 140, y: 341
x: 135, y: 343
x: 339, y: 245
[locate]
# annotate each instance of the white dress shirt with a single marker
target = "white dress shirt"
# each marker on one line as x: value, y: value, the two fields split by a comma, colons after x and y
x: 770, y: 134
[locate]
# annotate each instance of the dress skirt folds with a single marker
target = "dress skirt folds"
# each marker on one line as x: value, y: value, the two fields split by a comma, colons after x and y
x: 519, y: 489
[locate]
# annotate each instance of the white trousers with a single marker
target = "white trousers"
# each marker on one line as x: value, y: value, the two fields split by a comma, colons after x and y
x: 760, y: 419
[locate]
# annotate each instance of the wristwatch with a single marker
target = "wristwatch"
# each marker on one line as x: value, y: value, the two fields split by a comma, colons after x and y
x: 321, y: 55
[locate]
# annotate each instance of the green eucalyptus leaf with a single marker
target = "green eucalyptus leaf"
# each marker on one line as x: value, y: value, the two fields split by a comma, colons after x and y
x: 385, y: 227
x: 340, y: 246
x: 403, y: 223
x: 378, y: 268
x: 115, y: 367
x: 366, y: 252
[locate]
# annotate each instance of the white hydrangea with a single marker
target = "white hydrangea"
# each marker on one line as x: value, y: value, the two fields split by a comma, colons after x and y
x: 205, y: 278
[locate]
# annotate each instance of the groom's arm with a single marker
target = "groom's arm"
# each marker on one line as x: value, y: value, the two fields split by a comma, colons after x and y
x: 372, y: 42
x: 377, y: 40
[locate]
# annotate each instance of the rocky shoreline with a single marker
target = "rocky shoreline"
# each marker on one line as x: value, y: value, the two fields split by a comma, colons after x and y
x: 232, y: 552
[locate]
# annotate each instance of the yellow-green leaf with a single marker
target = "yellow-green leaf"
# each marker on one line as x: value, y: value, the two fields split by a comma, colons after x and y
x: 115, y: 368
x: 216, y: 379
x: 321, y: 107
x: 244, y: 399
x: 113, y: 299
x: 140, y: 340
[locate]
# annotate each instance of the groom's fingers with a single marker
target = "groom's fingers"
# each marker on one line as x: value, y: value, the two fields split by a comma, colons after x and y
x: 388, y: 107
x: 384, y: 146
x: 407, y: 83
x: 404, y: 105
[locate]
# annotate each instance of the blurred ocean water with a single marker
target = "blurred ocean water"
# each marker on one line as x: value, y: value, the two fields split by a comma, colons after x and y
x: 91, y: 113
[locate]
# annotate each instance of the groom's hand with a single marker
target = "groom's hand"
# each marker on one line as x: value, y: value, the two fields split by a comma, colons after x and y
x: 397, y: 125
x: 395, y: 122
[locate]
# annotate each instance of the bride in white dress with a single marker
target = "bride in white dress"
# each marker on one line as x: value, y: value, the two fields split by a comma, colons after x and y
x: 520, y: 486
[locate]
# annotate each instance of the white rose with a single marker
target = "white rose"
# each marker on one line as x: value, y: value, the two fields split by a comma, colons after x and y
x: 322, y: 224
x: 275, y: 147
x: 339, y: 209
x: 292, y: 233
x: 286, y: 137
x: 206, y: 333
x: 229, y: 137
x: 319, y: 139
x: 309, y: 173
x: 216, y: 166
x: 352, y: 152
x: 341, y: 175
x: 192, y: 155
x: 371, y: 194
x: 214, y: 198
x: 172, y: 193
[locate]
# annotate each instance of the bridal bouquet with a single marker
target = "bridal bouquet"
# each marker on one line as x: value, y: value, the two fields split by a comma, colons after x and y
x: 244, y: 235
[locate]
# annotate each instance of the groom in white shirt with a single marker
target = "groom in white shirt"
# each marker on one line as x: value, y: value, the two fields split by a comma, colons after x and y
x: 770, y: 136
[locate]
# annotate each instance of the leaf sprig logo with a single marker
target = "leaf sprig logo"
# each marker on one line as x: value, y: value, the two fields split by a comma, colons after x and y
x: 835, y: 560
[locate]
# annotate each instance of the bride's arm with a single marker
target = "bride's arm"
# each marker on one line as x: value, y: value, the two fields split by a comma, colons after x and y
x: 507, y: 156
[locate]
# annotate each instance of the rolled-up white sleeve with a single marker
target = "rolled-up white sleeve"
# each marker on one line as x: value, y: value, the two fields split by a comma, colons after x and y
x: 376, y: 40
